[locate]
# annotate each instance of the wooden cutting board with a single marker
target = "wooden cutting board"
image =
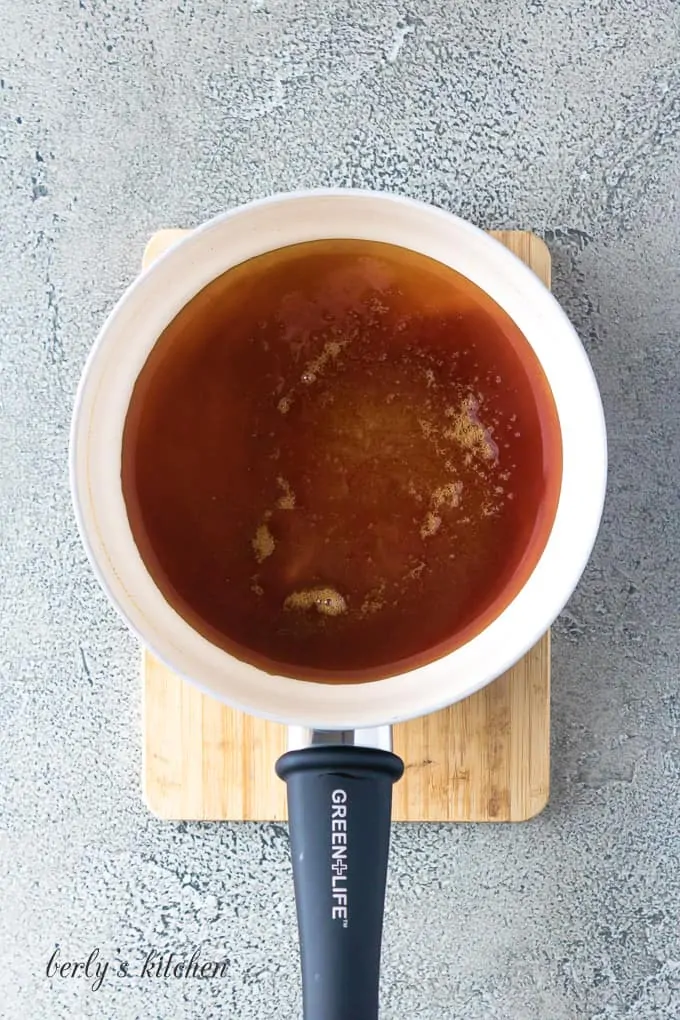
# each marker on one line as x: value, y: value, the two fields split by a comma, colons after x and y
x: 486, y: 759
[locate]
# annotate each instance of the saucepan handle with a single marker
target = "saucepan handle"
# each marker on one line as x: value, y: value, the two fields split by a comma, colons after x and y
x: 339, y: 811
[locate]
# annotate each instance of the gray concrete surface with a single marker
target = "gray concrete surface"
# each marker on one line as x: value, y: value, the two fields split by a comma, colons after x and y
x: 121, y: 116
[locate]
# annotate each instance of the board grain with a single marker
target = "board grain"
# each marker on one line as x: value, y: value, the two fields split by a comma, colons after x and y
x: 485, y: 759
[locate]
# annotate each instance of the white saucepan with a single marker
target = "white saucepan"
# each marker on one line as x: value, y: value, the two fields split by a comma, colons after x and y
x: 340, y: 775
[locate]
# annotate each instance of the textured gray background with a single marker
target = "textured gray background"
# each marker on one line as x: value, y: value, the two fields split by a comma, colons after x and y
x: 121, y: 116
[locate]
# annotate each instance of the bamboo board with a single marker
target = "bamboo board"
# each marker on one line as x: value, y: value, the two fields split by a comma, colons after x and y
x: 486, y: 759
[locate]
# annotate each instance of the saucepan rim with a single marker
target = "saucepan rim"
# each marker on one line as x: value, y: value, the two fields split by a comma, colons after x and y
x: 153, y: 300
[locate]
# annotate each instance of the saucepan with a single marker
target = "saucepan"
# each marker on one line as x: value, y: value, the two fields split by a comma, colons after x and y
x: 340, y: 767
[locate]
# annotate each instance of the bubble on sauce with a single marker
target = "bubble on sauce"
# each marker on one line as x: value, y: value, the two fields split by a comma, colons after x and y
x: 417, y: 571
x: 447, y: 495
x: 374, y: 600
x: 315, y: 368
x: 430, y: 525
x: 489, y: 509
x: 412, y: 491
x: 326, y: 601
x: 263, y: 543
x: 284, y: 405
x: 467, y: 430
x: 286, y: 500
x: 431, y: 433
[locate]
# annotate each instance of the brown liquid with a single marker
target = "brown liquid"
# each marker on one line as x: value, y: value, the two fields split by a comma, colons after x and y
x: 341, y: 459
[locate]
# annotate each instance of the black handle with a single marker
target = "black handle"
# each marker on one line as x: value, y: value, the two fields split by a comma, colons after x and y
x: 339, y: 809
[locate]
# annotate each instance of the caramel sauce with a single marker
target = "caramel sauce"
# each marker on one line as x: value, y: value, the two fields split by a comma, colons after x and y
x: 342, y: 459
